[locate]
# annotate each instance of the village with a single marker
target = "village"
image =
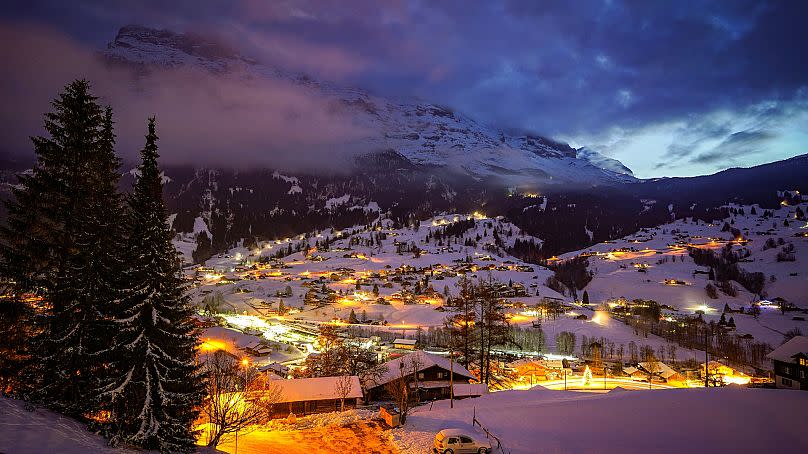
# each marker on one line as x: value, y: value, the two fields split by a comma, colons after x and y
x: 367, y: 318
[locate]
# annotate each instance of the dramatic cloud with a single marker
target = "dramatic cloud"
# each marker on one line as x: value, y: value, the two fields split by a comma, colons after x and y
x: 202, y: 118
x: 571, y: 69
x: 736, y: 147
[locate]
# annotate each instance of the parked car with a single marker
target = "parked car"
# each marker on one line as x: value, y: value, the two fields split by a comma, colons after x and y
x: 458, y: 441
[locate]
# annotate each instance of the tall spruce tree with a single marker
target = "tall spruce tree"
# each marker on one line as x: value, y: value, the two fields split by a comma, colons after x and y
x: 157, y: 391
x: 53, y: 247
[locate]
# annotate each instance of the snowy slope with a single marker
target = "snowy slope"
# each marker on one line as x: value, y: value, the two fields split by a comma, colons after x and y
x: 660, y: 254
x: 426, y: 134
x: 358, y: 262
x: 604, y: 162
x: 727, y: 420
x: 42, y: 431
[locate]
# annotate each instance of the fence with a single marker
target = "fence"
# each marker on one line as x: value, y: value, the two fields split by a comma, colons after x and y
x: 475, y: 421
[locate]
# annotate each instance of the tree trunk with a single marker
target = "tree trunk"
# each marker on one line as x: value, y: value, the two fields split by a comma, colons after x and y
x: 215, y: 440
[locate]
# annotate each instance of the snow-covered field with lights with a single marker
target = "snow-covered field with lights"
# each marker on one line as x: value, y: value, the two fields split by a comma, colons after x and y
x: 251, y: 297
x: 661, y: 254
x: 650, y: 264
x: 735, y: 420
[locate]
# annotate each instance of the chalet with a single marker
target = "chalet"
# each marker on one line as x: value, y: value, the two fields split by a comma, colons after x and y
x: 791, y: 363
x: 538, y: 369
x: 405, y: 344
x: 277, y: 369
x: 428, y: 373
x: 661, y: 372
x: 305, y: 396
x: 258, y: 349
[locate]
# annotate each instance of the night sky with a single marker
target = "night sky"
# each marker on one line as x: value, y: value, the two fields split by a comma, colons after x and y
x: 671, y: 88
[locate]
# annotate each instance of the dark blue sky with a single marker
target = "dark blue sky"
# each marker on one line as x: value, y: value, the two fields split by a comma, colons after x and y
x: 667, y: 87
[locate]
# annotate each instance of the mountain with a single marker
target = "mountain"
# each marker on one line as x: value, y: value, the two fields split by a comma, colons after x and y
x: 424, y: 134
x: 739, y: 185
x: 603, y: 162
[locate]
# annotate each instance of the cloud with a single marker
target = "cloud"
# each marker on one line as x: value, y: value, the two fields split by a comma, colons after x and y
x: 735, y: 147
x: 281, y: 50
x: 204, y: 119
x: 566, y: 69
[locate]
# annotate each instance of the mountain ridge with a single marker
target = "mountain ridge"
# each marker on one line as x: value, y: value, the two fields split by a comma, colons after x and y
x: 424, y: 133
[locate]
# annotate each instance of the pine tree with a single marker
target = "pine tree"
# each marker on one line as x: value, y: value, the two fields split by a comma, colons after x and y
x: 157, y: 390
x: 14, y: 317
x: 58, y: 245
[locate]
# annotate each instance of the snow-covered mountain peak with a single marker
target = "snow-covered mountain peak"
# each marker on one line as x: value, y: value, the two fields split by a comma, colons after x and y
x: 139, y: 44
x: 424, y: 133
x: 604, y: 162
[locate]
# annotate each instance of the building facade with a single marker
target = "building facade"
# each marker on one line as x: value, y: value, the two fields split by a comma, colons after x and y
x: 791, y: 364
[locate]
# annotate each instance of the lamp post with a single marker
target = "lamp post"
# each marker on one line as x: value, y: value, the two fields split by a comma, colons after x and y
x: 451, y: 378
x: 246, y: 363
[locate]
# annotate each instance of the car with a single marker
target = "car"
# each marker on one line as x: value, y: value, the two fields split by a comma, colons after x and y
x: 458, y: 441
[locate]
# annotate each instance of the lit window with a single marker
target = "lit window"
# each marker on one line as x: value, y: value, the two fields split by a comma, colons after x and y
x: 440, y: 375
x: 420, y: 375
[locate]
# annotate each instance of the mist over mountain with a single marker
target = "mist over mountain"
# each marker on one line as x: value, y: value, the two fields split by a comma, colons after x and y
x: 423, y: 133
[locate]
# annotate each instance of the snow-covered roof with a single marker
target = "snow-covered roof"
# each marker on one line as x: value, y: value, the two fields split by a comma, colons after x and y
x: 470, y: 389
x: 546, y: 363
x: 659, y: 368
x: 423, y: 360
x: 277, y: 367
x: 405, y: 341
x: 785, y: 352
x: 523, y: 362
x: 319, y: 388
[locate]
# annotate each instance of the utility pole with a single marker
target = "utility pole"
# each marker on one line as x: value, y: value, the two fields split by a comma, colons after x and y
x: 706, y: 360
x: 451, y: 372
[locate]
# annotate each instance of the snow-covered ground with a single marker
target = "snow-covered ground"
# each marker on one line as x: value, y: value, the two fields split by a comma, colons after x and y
x: 638, y: 265
x: 641, y: 265
x: 243, y: 294
x: 254, y: 294
x: 42, y: 431
x: 731, y: 420
x: 356, y: 431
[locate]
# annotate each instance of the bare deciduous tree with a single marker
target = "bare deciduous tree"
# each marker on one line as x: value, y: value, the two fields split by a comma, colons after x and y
x: 237, y: 397
x: 653, y: 368
x: 343, y: 388
x: 399, y: 389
